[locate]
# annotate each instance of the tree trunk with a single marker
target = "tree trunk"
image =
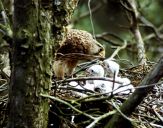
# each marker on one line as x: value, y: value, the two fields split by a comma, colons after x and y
x: 31, y: 58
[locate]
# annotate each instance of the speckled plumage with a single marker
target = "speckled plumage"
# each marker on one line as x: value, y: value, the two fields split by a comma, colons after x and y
x: 76, y: 41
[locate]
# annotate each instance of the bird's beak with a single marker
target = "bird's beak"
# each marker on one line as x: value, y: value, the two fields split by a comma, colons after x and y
x: 87, y: 73
x: 102, y: 54
x: 101, y: 63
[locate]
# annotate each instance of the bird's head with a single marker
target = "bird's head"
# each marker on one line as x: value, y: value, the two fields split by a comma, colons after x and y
x: 102, y: 86
x: 111, y: 67
x: 96, y: 71
x: 106, y: 64
x: 99, y: 49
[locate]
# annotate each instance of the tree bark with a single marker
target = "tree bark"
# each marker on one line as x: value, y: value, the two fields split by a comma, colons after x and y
x: 36, y: 30
x: 118, y: 121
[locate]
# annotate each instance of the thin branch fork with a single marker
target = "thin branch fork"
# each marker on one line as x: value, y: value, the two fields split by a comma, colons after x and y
x: 66, y: 103
x: 134, y: 16
x: 95, y: 119
x: 92, y: 125
x: 118, y: 49
x: 148, y: 24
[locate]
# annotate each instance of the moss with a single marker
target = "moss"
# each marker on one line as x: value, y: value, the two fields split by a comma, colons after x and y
x: 32, y: 58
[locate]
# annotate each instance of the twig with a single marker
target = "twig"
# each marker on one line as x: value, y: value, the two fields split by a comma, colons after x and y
x: 66, y: 103
x: 148, y: 37
x: 87, y: 78
x: 85, y: 66
x: 156, y: 125
x: 90, y: 11
x: 108, y: 34
x: 84, y: 15
x: 108, y: 41
x: 118, y: 49
x: 6, y: 28
x: 115, y: 106
x: 3, y: 13
x: 145, y: 115
x: 76, y: 56
x: 147, y: 23
x: 158, y: 115
x: 92, y: 125
x: 131, y: 8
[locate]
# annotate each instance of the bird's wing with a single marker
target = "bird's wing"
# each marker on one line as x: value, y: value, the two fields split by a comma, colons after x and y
x: 79, y: 44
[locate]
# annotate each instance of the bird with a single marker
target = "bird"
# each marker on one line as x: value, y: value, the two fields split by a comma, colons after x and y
x: 76, y: 47
x: 125, y: 87
x: 99, y: 85
x: 93, y: 71
x: 111, y: 67
x: 80, y: 89
x: 120, y: 87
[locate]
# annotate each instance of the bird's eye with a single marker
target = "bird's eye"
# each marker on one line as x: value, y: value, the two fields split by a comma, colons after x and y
x: 101, y: 49
x: 92, y: 71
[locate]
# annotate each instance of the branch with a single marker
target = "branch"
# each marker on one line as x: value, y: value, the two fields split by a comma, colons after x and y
x: 92, y: 125
x: 109, y: 34
x: 159, y: 29
x: 136, y: 98
x: 76, y: 56
x: 66, y: 103
x: 118, y: 49
x: 87, y: 78
x: 3, y: 13
x: 84, y: 66
x: 105, y: 37
x: 6, y: 28
x: 158, y: 115
x: 86, y: 14
x: 147, y: 23
x: 131, y: 4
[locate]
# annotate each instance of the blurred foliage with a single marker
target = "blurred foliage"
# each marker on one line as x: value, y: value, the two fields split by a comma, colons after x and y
x: 152, y: 9
x: 109, y: 16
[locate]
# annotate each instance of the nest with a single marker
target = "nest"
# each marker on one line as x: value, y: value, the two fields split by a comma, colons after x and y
x: 96, y: 105
x: 3, y: 98
x: 137, y: 73
x: 147, y: 114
